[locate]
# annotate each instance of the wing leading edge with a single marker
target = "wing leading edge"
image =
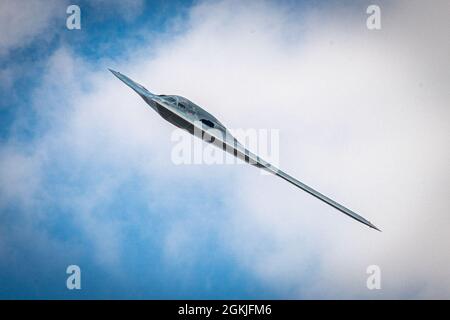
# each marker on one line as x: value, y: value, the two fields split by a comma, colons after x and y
x: 258, y: 162
x: 325, y: 199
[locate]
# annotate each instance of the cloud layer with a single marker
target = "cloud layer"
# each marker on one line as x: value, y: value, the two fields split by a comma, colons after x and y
x: 362, y: 117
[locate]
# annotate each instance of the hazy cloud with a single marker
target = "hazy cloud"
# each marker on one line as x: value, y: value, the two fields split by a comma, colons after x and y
x: 23, y: 20
x: 362, y: 117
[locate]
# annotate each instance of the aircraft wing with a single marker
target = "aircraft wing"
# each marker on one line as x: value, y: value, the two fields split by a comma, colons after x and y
x: 234, y: 147
x: 260, y: 163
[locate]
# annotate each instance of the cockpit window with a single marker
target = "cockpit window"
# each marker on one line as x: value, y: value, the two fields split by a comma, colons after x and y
x: 182, y: 106
x: 170, y: 99
x: 208, y: 123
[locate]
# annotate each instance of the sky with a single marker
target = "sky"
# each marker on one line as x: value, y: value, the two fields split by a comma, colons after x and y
x: 87, y: 176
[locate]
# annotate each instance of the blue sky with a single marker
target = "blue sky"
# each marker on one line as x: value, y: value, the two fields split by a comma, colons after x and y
x: 86, y: 173
x: 105, y: 34
x: 32, y: 271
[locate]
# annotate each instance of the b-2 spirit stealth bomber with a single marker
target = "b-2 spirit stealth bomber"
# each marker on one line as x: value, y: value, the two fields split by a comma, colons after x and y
x: 188, y: 116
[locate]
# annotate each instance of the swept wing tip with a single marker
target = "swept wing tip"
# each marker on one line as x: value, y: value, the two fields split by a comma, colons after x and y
x: 374, y: 227
x: 113, y: 72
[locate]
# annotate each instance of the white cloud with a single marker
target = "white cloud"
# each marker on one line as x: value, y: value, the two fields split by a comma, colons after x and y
x: 362, y: 117
x: 23, y: 20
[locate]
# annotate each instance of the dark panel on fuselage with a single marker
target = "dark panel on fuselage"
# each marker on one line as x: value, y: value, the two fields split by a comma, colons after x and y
x: 175, y: 119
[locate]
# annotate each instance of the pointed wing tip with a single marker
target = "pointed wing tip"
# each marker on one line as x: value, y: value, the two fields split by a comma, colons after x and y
x: 114, y: 72
x: 374, y: 227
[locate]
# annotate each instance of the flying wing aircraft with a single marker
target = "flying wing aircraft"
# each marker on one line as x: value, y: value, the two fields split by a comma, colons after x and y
x: 186, y: 115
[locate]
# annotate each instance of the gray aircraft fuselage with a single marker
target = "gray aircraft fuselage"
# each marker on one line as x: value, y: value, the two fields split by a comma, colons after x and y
x: 186, y: 115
